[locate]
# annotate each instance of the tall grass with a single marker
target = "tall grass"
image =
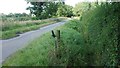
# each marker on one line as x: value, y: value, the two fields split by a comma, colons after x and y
x: 12, y: 29
x: 34, y: 55
x: 41, y: 52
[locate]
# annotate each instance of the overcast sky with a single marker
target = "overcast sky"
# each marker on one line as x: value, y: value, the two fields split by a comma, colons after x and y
x: 13, y: 6
x: 19, y: 6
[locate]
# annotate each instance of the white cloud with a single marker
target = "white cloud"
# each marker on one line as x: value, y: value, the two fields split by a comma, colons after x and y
x: 72, y: 2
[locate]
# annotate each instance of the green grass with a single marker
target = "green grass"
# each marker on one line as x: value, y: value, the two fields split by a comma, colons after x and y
x: 35, y: 54
x: 10, y: 30
x: 40, y: 52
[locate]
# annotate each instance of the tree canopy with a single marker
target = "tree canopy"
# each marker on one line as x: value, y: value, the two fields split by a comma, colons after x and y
x: 65, y: 10
x: 43, y: 10
x: 80, y: 8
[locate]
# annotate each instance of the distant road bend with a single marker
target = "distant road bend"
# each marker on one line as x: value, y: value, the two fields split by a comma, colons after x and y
x: 10, y: 46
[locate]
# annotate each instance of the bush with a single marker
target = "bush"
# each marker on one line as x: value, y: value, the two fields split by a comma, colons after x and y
x: 71, y: 42
x: 73, y: 24
x: 97, y: 37
x: 100, y: 30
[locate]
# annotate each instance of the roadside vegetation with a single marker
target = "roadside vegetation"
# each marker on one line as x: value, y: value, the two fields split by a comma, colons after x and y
x: 12, y: 25
x: 13, y: 29
x: 90, y: 41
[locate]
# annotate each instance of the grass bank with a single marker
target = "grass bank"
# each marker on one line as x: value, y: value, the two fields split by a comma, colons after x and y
x: 35, y: 54
x: 41, y: 52
x: 12, y: 29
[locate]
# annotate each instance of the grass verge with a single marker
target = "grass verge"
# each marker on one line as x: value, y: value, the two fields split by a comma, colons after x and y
x: 41, y: 52
x: 35, y: 54
x: 14, y: 29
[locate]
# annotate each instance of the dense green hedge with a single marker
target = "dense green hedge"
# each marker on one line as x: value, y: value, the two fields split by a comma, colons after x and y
x: 102, y: 34
x: 98, y: 30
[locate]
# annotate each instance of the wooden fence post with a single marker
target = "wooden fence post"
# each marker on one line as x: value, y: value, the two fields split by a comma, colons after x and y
x: 57, y: 42
x: 58, y: 38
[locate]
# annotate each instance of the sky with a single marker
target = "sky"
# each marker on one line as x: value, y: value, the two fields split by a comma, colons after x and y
x: 13, y: 6
x: 19, y: 6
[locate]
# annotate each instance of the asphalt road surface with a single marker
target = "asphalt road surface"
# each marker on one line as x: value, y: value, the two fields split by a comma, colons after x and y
x: 10, y: 46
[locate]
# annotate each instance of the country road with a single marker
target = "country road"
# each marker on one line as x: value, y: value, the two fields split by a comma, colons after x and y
x: 10, y: 46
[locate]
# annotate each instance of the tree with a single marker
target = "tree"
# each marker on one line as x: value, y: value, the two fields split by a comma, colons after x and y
x: 80, y: 8
x: 50, y: 9
x: 65, y: 10
x: 43, y: 10
x: 36, y: 8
